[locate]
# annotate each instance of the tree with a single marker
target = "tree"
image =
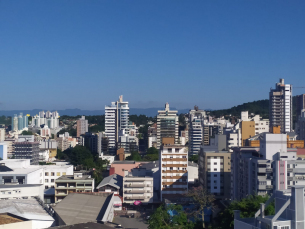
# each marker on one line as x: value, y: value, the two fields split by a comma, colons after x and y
x: 203, y: 200
x: 169, y: 217
x: 247, y: 206
x: 135, y: 156
x: 152, y: 154
x: 27, y: 132
x: 194, y: 158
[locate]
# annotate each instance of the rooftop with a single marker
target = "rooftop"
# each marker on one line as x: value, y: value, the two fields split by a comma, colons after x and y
x: 26, y: 208
x: 19, y: 186
x: 113, y: 180
x: 71, y: 177
x: 82, y: 208
x: 7, y: 218
x: 123, y: 162
x: 91, y: 225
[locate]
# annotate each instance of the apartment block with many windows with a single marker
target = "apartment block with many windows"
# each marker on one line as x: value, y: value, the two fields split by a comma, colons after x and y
x: 138, y: 185
x: 173, y: 161
x: 167, y: 127
x: 215, y: 172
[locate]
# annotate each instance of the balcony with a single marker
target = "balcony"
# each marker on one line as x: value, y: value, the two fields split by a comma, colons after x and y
x: 135, y: 191
x: 269, y: 186
x: 135, y: 197
x: 135, y: 185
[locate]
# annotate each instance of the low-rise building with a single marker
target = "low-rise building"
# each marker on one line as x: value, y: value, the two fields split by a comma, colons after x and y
x: 138, y: 186
x: 21, y: 191
x: 74, y: 183
x: 112, y: 183
x: 30, y: 209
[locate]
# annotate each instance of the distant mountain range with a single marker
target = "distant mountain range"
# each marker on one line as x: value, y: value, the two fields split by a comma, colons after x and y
x: 150, y: 112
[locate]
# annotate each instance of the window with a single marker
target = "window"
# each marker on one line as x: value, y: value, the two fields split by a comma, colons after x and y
x: 215, y: 187
x: 58, y: 174
x: 46, y: 174
x: 215, y: 175
x: 52, y: 174
x: 171, y: 168
x: 46, y: 187
x: 215, y: 169
x: 52, y: 180
x: 46, y: 180
x: 215, y: 181
x: 63, y: 173
x: 176, y: 150
x: 215, y: 163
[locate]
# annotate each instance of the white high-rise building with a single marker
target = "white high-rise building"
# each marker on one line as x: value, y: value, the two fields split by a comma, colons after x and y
x: 280, y: 106
x: 196, y: 122
x: 116, y: 119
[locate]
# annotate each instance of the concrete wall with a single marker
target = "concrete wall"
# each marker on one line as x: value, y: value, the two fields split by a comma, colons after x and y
x: 19, y: 192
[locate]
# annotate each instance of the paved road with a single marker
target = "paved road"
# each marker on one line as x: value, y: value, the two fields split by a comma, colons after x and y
x: 131, y: 223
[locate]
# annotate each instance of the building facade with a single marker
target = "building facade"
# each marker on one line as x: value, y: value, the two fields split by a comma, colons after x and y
x: 116, y: 119
x: 82, y: 126
x: 280, y: 107
x: 70, y: 184
x: 27, y: 150
x: 196, y: 130
x: 138, y: 185
x: 173, y: 166
x: 167, y: 127
x: 215, y: 172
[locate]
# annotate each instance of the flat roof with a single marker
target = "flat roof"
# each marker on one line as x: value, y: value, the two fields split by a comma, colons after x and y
x: 7, y: 218
x: 21, y: 171
x: 82, y: 208
x: 26, y: 208
x: 71, y: 177
x: 91, y: 225
x: 3, y: 186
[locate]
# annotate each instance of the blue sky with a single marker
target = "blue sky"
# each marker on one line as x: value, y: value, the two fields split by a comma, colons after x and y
x: 57, y: 54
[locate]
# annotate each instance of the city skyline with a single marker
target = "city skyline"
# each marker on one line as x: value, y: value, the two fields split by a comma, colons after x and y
x: 212, y: 54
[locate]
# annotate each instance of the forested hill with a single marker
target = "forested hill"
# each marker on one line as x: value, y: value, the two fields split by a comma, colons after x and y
x: 257, y: 107
x: 260, y: 107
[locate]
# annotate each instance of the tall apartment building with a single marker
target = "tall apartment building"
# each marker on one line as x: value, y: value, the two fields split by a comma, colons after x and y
x: 27, y: 150
x: 82, y: 126
x: 215, y: 172
x: 300, y: 104
x: 300, y: 126
x: 173, y: 161
x: 14, y: 123
x: 116, y: 119
x: 196, y: 130
x: 280, y: 106
x: 263, y: 170
x: 138, y: 185
x: 46, y: 118
x: 167, y: 126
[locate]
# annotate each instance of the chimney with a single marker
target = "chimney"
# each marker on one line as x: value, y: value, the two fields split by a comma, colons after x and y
x: 262, y: 210
x: 237, y: 214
